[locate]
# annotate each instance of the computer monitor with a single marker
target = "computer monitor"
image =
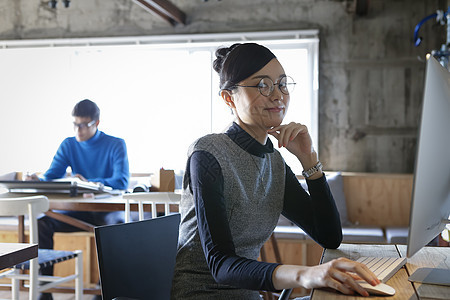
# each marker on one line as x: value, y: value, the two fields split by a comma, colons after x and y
x: 430, y: 205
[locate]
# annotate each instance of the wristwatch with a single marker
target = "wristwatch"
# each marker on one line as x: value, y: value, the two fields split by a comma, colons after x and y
x: 308, y: 173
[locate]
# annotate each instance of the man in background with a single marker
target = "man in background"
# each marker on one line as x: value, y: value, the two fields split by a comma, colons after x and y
x: 93, y: 156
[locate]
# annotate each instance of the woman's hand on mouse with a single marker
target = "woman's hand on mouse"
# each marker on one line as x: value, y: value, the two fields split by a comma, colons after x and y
x: 340, y: 274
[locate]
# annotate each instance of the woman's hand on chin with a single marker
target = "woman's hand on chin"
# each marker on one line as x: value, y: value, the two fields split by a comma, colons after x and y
x: 294, y: 137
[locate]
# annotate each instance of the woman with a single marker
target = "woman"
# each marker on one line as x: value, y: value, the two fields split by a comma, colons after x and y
x: 236, y: 186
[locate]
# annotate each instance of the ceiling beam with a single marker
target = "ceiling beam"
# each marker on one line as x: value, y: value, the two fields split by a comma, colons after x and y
x: 165, y: 9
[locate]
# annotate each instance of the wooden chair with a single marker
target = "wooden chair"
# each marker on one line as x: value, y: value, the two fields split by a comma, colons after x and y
x: 154, y: 199
x: 32, y: 207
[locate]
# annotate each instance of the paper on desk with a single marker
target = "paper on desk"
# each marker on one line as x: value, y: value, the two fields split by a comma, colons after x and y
x: 100, y: 186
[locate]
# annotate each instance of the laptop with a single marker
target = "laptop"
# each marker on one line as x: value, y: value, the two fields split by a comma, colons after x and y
x: 64, y: 186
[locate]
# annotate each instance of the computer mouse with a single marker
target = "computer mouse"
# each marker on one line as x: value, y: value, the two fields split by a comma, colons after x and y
x: 380, y: 289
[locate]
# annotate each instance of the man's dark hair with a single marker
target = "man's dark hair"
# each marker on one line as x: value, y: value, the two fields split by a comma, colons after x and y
x: 86, y: 108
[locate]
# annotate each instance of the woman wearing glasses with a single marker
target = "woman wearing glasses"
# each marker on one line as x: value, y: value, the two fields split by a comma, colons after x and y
x: 236, y: 185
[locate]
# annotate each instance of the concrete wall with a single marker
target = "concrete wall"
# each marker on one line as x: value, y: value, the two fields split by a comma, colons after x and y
x: 371, y: 75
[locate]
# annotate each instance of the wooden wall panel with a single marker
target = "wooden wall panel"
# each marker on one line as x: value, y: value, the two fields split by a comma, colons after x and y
x: 78, y: 241
x: 378, y: 199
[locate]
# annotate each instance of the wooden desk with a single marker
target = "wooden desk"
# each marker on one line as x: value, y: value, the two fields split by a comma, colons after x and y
x: 427, y: 257
x: 14, y: 253
x: 100, y: 202
x: 131, y: 202
x: 65, y: 202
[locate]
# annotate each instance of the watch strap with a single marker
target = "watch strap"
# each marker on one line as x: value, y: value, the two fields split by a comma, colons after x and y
x: 316, y: 168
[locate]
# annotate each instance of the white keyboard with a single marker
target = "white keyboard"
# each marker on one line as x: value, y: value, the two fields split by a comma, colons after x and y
x: 383, y: 267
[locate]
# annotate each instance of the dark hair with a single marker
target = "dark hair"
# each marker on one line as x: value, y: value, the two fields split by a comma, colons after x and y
x: 239, y: 61
x: 86, y: 108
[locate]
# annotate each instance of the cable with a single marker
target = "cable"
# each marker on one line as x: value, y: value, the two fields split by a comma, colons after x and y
x: 439, y: 14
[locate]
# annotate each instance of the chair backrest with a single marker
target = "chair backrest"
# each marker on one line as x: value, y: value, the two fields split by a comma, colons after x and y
x: 154, y: 199
x: 21, y: 205
x: 31, y: 206
x: 137, y: 260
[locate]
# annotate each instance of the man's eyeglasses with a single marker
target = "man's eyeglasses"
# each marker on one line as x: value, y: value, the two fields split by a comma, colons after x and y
x: 83, y: 125
x: 266, y: 86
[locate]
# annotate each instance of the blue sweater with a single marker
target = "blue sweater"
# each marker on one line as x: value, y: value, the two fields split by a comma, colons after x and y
x: 102, y: 158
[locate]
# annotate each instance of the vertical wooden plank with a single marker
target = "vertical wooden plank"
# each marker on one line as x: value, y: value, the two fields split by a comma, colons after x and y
x: 378, y: 199
x: 21, y: 229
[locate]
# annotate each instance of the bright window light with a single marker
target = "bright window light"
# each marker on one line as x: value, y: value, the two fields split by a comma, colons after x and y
x: 158, y: 96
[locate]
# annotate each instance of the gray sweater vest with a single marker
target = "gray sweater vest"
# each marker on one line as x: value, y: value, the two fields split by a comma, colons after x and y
x: 253, y: 195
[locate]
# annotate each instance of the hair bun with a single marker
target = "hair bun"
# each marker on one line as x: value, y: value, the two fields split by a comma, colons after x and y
x: 221, y: 55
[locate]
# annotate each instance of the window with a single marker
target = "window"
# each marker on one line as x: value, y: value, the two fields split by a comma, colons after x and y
x: 158, y: 93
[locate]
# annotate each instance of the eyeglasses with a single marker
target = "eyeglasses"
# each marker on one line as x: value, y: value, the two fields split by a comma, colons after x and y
x: 266, y: 86
x: 83, y: 125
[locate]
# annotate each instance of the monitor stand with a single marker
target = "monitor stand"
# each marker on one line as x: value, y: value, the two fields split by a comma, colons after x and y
x: 431, y: 276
